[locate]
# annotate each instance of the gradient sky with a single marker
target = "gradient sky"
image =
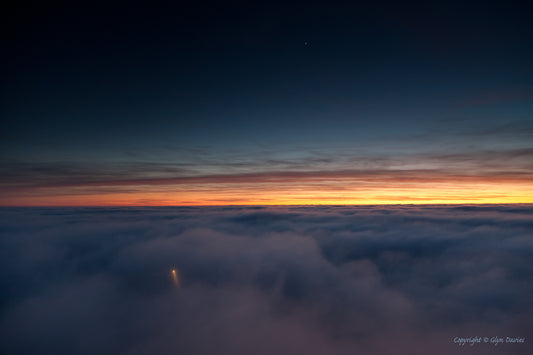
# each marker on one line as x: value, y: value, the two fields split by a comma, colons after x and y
x: 267, y: 103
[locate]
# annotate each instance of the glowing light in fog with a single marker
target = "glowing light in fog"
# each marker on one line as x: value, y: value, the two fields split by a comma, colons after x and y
x: 175, y: 277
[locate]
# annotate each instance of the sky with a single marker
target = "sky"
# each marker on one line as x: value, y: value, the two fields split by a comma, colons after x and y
x: 266, y: 103
x: 266, y: 280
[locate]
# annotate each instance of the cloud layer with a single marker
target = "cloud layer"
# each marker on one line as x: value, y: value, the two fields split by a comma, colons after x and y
x: 265, y: 280
x: 292, y: 178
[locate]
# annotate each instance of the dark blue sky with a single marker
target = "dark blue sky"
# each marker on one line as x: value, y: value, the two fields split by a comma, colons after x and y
x: 217, y: 86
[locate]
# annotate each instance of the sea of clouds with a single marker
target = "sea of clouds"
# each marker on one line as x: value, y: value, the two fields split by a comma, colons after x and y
x: 266, y: 280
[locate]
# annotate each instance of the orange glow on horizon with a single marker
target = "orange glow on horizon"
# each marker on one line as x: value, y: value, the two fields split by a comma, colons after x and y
x: 338, y: 191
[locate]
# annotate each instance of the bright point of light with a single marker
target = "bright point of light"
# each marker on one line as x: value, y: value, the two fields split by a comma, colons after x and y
x: 175, y: 279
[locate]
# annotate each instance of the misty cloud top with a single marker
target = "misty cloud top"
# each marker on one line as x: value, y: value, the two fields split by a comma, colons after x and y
x: 265, y: 280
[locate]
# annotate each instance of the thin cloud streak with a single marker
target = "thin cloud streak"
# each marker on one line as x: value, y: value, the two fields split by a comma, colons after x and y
x: 417, y: 176
x: 483, y: 176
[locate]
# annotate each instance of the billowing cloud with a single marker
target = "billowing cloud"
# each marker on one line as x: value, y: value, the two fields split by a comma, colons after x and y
x: 265, y: 280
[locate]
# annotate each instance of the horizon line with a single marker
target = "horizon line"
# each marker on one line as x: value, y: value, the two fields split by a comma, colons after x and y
x: 279, y: 205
